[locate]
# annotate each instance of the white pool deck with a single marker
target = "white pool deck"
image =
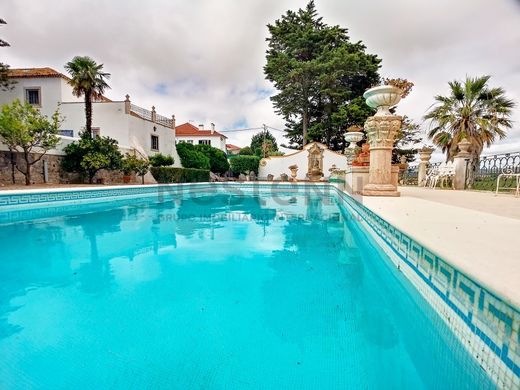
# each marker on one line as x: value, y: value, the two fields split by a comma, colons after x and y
x: 477, y: 232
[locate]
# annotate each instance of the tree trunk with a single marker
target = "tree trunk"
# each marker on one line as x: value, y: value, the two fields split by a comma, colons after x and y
x: 471, y: 172
x: 27, y: 173
x: 142, y: 179
x: 305, y: 119
x: 91, y: 178
x: 13, y: 165
x: 88, y: 113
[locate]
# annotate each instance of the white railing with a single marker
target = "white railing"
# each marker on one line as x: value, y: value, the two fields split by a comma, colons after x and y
x: 151, y: 116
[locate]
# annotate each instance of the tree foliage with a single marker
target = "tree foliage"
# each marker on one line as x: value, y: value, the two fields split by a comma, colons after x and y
x: 472, y: 110
x: 264, y: 144
x: 406, y: 141
x: 25, y: 130
x: 89, y: 80
x: 217, y: 158
x: 161, y: 160
x: 89, y: 155
x: 320, y: 76
x: 133, y: 164
x: 192, y: 158
x: 5, y: 82
x: 245, y: 164
x: 246, y: 151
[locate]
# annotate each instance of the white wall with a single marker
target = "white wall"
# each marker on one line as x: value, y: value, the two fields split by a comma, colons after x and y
x: 140, y: 132
x: 109, y: 117
x: 50, y: 92
x: 218, y: 142
x: 276, y: 165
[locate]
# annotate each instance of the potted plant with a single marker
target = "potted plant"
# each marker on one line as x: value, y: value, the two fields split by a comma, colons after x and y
x: 385, y: 96
x: 135, y: 165
x: 128, y: 168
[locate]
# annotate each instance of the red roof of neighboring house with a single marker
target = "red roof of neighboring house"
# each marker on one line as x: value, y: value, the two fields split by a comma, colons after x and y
x: 232, y: 147
x: 187, y: 129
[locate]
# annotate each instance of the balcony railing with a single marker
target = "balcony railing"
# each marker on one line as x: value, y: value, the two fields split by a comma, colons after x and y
x: 152, y: 116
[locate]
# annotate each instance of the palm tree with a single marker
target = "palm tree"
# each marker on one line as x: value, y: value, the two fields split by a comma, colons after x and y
x: 473, y: 111
x: 89, y: 80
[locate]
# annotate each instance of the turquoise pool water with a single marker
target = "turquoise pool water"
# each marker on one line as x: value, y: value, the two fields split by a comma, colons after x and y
x: 215, y: 291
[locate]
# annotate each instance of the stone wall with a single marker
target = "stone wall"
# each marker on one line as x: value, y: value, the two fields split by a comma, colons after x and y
x: 56, y: 175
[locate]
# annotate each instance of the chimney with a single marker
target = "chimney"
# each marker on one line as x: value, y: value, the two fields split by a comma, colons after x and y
x: 201, y: 126
x: 212, y: 128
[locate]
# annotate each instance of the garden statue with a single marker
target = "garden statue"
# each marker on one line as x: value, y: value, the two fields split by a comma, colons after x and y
x: 294, y: 172
x: 315, y: 163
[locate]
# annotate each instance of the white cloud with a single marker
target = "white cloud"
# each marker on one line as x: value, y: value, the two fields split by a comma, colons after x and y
x: 202, y: 60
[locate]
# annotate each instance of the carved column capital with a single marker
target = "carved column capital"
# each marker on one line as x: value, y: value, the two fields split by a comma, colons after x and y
x: 381, y: 130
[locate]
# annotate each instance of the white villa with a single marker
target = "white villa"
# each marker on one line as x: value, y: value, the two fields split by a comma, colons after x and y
x: 197, y: 135
x: 134, y: 128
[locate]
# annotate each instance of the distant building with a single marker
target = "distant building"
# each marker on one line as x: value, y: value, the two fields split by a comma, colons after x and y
x: 232, y: 150
x: 198, y: 136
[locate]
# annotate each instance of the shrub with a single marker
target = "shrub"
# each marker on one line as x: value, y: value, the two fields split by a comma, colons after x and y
x: 161, y: 160
x: 217, y: 158
x: 246, y: 151
x: 132, y: 163
x: 245, y: 164
x: 179, y: 175
x: 89, y: 155
x: 191, y: 157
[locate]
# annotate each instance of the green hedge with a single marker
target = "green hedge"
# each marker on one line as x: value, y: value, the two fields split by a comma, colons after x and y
x: 179, y: 175
x: 244, y: 164
x: 191, y: 157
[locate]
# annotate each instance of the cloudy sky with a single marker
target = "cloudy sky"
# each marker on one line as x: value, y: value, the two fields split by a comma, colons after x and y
x: 202, y: 60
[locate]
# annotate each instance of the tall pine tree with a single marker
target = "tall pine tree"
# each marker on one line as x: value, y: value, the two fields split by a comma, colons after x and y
x: 320, y: 76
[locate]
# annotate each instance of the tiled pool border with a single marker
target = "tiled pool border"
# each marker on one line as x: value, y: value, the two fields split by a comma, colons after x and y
x: 487, y: 325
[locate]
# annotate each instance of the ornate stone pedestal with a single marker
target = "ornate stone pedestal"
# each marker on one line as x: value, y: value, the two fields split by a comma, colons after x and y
x: 425, y: 155
x: 381, y: 131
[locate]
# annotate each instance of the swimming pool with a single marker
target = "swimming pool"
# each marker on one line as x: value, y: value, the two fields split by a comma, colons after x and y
x: 215, y: 288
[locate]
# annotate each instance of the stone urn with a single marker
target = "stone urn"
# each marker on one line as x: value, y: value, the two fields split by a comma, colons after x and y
x: 425, y: 153
x: 403, y: 163
x: 352, y: 137
x: 294, y: 172
x: 383, y: 97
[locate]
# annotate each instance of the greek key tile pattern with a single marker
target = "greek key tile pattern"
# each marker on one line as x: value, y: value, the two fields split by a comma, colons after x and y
x: 487, y: 326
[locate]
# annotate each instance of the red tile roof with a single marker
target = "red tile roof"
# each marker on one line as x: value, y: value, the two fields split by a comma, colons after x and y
x: 187, y: 129
x: 41, y: 72
x: 35, y: 72
x: 232, y: 147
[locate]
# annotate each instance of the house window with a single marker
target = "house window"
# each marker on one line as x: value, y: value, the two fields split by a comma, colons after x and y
x: 155, y: 142
x: 204, y: 142
x: 96, y: 132
x: 32, y: 96
x: 67, y: 133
